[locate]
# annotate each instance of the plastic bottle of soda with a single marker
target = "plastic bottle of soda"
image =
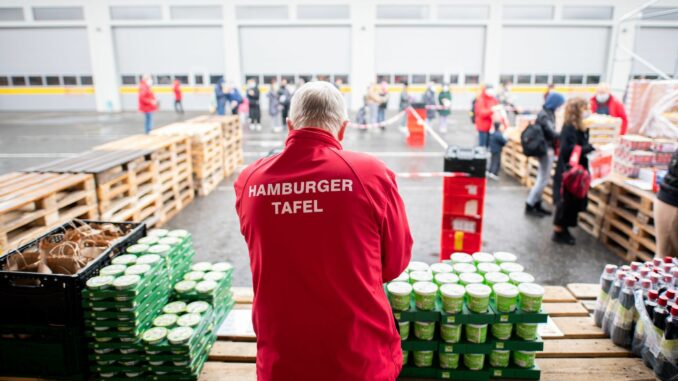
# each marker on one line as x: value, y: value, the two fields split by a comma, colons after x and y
x: 656, y: 261
x: 621, y: 330
x: 613, y: 304
x: 666, y: 368
x: 659, y: 325
x: 639, y: 334
x: 655, y: 279
x: 606, y: 280
x: 644, y: 272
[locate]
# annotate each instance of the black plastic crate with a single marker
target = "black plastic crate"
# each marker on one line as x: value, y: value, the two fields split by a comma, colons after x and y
x: 55, y: 299
x: 472, y: 161
x: 56, y: 353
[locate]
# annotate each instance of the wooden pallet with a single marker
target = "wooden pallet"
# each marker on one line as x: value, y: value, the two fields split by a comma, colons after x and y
x: 127, y: 182
x: 234, y: 156
x: 31, y: 204
x: 230, y: 124
x: 513, y: 162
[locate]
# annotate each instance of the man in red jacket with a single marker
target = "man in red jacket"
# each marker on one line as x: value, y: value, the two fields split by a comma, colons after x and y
x: 603, y: 102
x: 147, y: 102
x: 178, y: 107
x: 483, y: 113
x: 325, y: 229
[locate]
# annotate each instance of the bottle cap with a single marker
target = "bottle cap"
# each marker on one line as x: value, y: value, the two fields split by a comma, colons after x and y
x: 662, y: 301
x: 657, y: 262
x: 630, y: 282
x: 621, y: 275
x: 654, y: 278
x: 635, y: 266
x: 668, y: 279
x: 610, y: 269
x: 645, y: 284
x: 674, y: 311
x: 625, y: 268
x: 668, y: 260
x: 653, y: 294
x: 670, y: 294
x: 667, y: 268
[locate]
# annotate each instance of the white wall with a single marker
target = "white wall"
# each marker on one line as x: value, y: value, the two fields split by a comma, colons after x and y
x: 659, y: 45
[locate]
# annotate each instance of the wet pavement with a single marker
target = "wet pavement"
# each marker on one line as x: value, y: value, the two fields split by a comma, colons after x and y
x: 29, y: 139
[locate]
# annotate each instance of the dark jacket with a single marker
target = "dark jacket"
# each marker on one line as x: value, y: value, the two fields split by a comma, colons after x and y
x: 668, y: 189
x: 497, y: 141
x: 405, y: 100
x: 546, y: 119
x: 441, y: 99
x: 430, y: 100
x: 284, y: 96
x: 253, y: 96
x: 569, y: 138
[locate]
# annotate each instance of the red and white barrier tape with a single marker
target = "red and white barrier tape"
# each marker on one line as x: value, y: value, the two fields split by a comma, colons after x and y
x: 383, y: 124
x: 415, y: 175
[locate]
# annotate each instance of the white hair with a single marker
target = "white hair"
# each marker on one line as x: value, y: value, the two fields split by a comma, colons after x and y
x: 318, y: 104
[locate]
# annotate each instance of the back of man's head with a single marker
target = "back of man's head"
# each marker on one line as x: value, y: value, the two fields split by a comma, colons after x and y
x: 318, y: 104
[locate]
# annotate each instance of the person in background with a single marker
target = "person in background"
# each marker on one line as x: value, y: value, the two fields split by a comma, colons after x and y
x: 497, y: 142
x: 666, y: 212
x: 284, y: 98
x: 549, y: 88
x: 220, y: 93
x: 574, y: 133
x: 445, y: 101
x: 507, y: 99
x: 373, y: 101
x: 429, y: 99
x: 178, y: 106
x: 349, y: 238
x: 546, y: 119
x: 484, y: 113
x: 338, y: 83
x: 147, y: 102
x: 274, y: 105
x: 383, y: 94
x: 234, y: 98
x: 405, y: 102
x: 603, y: 102
x: 253, y: 99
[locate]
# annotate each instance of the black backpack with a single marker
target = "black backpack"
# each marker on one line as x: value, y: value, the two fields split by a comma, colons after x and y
x: 533, y: 141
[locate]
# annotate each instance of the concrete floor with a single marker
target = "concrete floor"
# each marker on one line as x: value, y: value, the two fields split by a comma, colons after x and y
x: 28, y: 139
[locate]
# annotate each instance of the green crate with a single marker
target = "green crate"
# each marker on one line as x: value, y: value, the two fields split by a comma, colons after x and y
x: 468, y: 317
x: 517, y: 344
x: 519, y: 316
x: 464, y: 347
x: 514, y: 372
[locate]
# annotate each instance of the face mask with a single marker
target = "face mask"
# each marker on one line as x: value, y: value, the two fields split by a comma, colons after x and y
x: 602, y: 98
x: 491, y: 92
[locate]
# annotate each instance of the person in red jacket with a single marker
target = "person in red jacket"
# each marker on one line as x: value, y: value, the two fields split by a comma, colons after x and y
x: 147, y: 102
x: 178, y: 106
x: 483, y: 113
x: 325, y: 229
x: 603, y: 102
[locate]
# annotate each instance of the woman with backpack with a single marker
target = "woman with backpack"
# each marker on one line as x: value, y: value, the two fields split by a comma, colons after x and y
x: 545, y: 139
x: 572, y: 180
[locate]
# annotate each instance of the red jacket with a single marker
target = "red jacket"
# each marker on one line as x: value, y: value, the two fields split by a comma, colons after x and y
x: 325, y: 229
x: 483, y: 112
x: 147, y: 101
x: 617, y: 110
x: 177, y: 90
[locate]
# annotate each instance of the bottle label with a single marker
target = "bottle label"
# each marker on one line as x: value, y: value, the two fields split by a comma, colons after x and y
x: 669, y: 348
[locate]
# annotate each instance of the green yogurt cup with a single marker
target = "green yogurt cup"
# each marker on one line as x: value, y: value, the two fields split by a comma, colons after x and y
x: 445, y: 278
x: 474, y: 361
x: 461, y: 258
x: 417, y: 266
x: 478, y: 297
x: 425, y: 295
x: 505, y: 297
x: 476, y: 333
x: 148, y: 240
x: 440, y: 268
x: 404, y: 277
x: 450, y: 333
x: 461, y: 268
x: 452, y: 296
x: 524, y: 359
x: 502, y: 331
x: 521, y: 277
x: 201, y: 266
x: 405, y: 356
x: 423, y: 359
x: 125, y: 260
x: 159, y: 249
x: 499, y: 358
x: 404, y: 329
x: 420, y: 276
x: 399, y: 295
x: 495, y: 277
x: 526, y: 331
x: 157, y: 232
x: 448, y: 360
x: 424, y: 330
x: 137, y: 249
x: 484, y: 268
x: 481, y: 257
x: 504, y: 256
x: 470, y: 278
x: 511, y: 267
x: 531, y: 296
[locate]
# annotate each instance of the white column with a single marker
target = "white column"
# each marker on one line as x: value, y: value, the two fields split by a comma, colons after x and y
x: 619, y: 62
x: 492, y: 45
x: 102, y: 56
x: 363, y: 59
x: 232, y: 69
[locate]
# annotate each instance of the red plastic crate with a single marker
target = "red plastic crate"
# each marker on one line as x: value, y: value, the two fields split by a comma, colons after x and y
x: 465, y: 224
x: 461, y: 185
x: 464, y: 206
x: 455, y: 241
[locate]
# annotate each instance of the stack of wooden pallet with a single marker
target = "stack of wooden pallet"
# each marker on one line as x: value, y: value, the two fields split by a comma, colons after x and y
x: 32, y: 204
x: 172, y: 156
x: 207, y: 152
x: 232, y: 132
x: 514, y: 162
x: 127, y: 183
x: 591, y: 220
x: 628, y: 228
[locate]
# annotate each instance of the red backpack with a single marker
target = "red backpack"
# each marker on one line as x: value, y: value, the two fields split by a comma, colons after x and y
x: 577, y: 179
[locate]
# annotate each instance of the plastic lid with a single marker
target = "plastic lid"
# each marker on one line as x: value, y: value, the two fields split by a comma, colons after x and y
x: 222, y: 266
x: 453, y: 290
x: 174, y: 307
x: 113, y: 270
x: 197, y: 307
x: 126, y: 281
x: 670, y: 294
x: 417, y: 266
x: 511, y: 267
x: 654, y: 278
x: 438, y: 268
x: 138, y: 269
x: 201, y: 266
x: 496, y: 277
x: 206, y: 286
x: 478, y: 290
x: 148, y: 240
x: 425, y: 288
x: 531, y: 289
x: 668, y: 279
x: 125, y: 259
x: 461, y: 258
x: 148, y: 259
x: 657, y: 262
x: 154, y: 334
x: 610, y: 269
x: 404, y: 277
x: 461, y: 268
x: 644, y: 272
x: 504, y: 256
x: 180, y: 335
x: 138, y: 248
x: 215, y: 276
x: 488, y: 267
x: 635, y: 266
x: 668, y: 259
x: 626, y: 268
x: 169, y: 241
x: 194, y: 275
x: 621, y: 275
x: 505, y: 290
x: 165, y: 320
x: 159, y: 249
x: 663, y: 301
x: 99, y: 281
x: 444, y: 278
x: 630, y: 282
x: 645, y: 283
x: 469, y: 278
x: 674, y: 311
x: 521, y: 277
x: 482, y: 257
x: 667, y: 268
x: 184, y: 286
x: 421, y: 276
x: 653, y: 294
x: 181, y: 233
x: 399, y: 288
x: 157, y: 232
x: 189, y: 320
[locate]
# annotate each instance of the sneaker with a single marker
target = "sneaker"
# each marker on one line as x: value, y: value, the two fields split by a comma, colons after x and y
x: 258, y: 127
x: 492, y: 176
x: 532, y: 211
x: 541, y: 210
x: 564, y: 238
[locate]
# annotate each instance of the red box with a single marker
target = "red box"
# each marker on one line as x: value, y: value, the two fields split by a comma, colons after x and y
x: 462, y: 185
x: 464, y: 206
x: 455, y: 241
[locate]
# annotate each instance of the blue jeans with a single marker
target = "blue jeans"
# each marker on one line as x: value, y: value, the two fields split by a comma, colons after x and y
x: 148, y: 122
x: 221, y: 107
x: 381, y: 114
x: 483, y: 139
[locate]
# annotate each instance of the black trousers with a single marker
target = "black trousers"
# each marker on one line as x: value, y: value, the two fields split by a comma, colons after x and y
x: 178, y: 107
x: 283, y: 114
x: 255, y: 114
x: 495, y: 163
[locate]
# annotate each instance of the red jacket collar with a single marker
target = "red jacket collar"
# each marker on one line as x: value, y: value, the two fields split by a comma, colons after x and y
x: 319, y: 136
